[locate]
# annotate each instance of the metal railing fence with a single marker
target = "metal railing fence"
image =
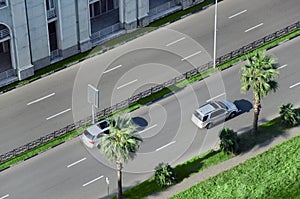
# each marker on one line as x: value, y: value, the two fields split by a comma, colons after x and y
x: 162, y: 7
x: 127, y: 102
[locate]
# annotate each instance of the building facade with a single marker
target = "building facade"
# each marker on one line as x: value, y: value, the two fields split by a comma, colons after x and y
x: 37, y: 33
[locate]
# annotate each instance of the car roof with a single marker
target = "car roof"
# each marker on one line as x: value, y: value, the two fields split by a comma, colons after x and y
x: 95, y: 130
x: 207, y: 108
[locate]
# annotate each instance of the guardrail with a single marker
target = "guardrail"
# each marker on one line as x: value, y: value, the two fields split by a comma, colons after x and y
x: 106, y: 31
x: 162, y: 7
x: 127, y: 102
x: 7, y: 74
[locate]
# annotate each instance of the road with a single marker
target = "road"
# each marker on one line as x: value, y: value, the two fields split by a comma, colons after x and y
x: 51, y: 103
x: 73, y: 171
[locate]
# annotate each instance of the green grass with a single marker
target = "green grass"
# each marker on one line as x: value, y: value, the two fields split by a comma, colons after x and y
x: 273, y: 174
x: 184, y: 170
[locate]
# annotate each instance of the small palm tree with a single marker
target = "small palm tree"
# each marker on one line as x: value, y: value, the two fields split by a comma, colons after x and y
x: 259, y: 74
x: 289, y: 115
x: 229, y: 141
x: 120, y: 145
x: 165, y: 175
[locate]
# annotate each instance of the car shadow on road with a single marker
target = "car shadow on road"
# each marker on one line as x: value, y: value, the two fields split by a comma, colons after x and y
x: 140, y: 123
x: 243, y: 106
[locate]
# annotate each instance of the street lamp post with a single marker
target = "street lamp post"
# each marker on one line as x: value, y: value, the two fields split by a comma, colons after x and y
x: 107, y: 182
x: 215, y: 33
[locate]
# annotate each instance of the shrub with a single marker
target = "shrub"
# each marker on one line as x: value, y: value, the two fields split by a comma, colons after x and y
x: 165, y: 175
x: 289, y: 116
x: 229, y: 141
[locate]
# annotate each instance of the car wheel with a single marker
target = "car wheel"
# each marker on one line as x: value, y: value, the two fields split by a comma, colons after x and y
x: 232, y: 115
x: 209, y: 125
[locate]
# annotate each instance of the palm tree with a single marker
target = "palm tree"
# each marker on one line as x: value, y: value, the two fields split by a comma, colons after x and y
x: 120, y: 145
x: 229, y: 141
x: 259, y: 74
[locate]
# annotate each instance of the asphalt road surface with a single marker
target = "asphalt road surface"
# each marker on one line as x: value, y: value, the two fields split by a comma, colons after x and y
x: 51, y: 103
x: 73, y: 171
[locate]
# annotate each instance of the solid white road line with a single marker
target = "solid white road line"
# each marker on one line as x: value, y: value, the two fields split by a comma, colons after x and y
x: 58, y: 114
x: 40, y: 99
x: 127, y: 84
x: 165, y: 145
x: 4, y: 196
x: 237, y: 14
x: 92, y: 181
x: 174, y: 42
x: 254, y: 27
x: 215, y: 97
x: 112, y: 69
x: 70, y: 165
x: 282, y: 66
x: 147, y: 128
x: 190, y: 56
x: 295, y: 85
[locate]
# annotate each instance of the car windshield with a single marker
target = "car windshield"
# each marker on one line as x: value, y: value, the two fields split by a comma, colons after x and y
x: 198, y: 115
x: 88, y: 135
x: 103, y: 125
x: 222, y: 105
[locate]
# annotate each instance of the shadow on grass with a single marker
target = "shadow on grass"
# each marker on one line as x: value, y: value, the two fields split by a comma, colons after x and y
x: 186, y: 169
x: 264, y: 137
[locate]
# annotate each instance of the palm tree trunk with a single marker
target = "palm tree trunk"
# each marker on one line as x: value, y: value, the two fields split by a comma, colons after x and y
x: 119, y: 176
x: 257, y: 107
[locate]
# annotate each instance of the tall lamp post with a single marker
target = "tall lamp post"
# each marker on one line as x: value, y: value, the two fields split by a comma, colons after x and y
x: 107, y: 182
x: 215, y: 33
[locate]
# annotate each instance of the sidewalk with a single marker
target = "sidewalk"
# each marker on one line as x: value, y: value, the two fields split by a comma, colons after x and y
x: 219, y: 168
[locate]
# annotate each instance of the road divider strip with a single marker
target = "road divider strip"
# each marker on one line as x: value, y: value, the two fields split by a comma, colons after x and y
x: 254, y: 27
x: 147, y: 128
x: 112, y: 69
x: 295, y: 85
x: 176, y: 41
x: 6, y: 196
x: 92, y: 181
x: 192, y: 55
x: 165, y: 146
x: 215, y: 97
x: 237, y: 14
x: 40, y: 99
x: 60, y: 113
x: 70, y: 165
x: 282, y: 66
x: 127, y: 84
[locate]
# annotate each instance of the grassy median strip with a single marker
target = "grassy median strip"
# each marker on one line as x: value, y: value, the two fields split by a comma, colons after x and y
x: 267, y: 131
x: 272, y: 174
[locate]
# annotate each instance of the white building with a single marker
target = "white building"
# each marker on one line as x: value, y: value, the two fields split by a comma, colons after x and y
x: 36, y: 33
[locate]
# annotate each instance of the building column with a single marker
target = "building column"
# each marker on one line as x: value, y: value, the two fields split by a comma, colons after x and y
x: 142, y: 12
x: 128, y: 13
x: 189, y: 3
x: 21, y: 40
x: 83, y: 25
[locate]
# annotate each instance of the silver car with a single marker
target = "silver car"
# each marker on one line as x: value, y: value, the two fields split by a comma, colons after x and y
x: 92, y: 135
x: 214, y: 112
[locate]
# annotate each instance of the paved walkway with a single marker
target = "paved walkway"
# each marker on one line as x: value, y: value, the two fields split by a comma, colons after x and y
x: 214, y: 170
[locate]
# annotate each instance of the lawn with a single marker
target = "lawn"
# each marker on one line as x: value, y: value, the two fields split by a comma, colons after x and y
x: 272, y: 174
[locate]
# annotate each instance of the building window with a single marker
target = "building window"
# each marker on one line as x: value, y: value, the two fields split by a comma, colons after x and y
x: 100, y: 7
x: 3, y: 3
x: 49, y: 4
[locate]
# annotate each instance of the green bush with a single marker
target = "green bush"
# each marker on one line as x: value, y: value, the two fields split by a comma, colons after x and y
x: 165, y: 175
x: 288, y: 115
x: 229, y: 141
